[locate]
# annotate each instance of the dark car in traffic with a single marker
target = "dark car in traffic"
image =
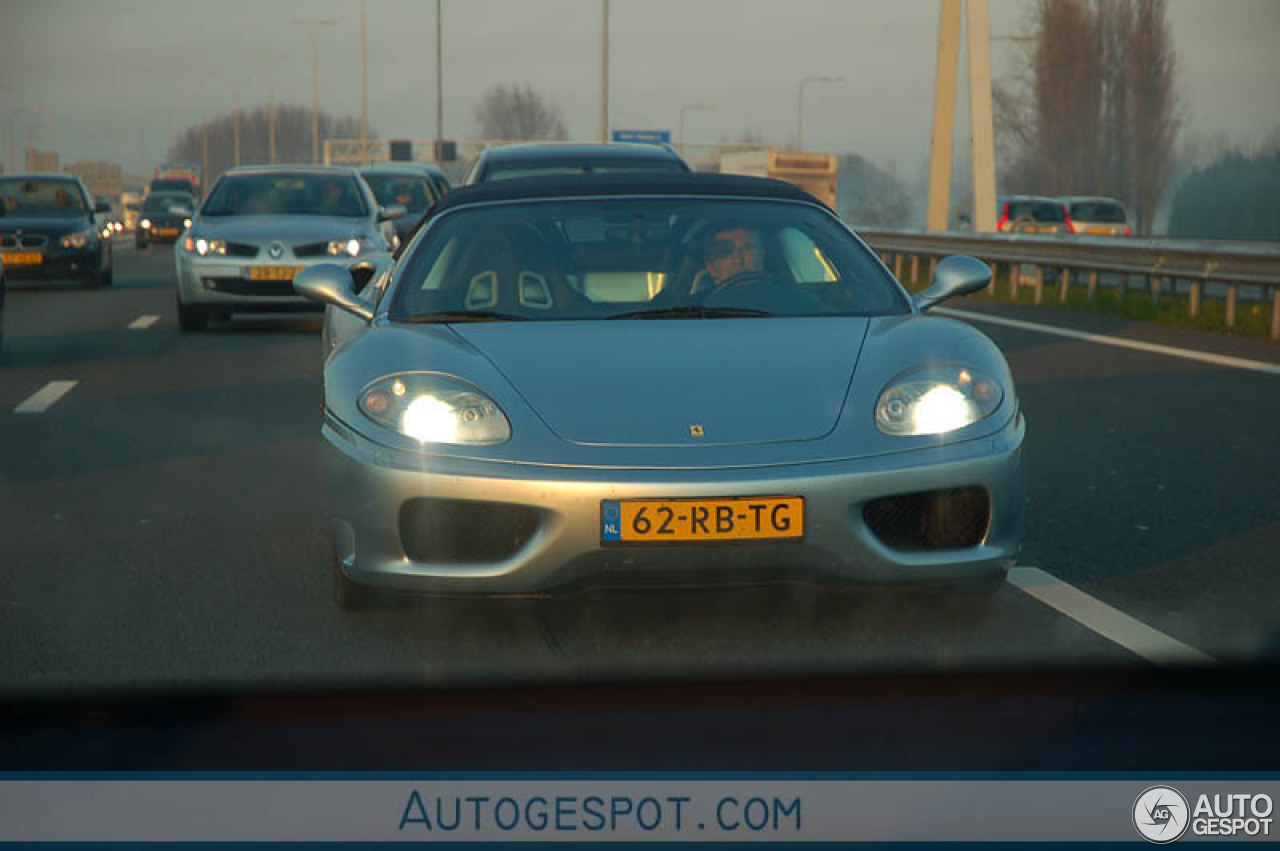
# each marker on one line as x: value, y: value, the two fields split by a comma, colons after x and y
x: 403, y: 184
x: 545, y: 159
x: 163, y: 218
x: 48, y: 230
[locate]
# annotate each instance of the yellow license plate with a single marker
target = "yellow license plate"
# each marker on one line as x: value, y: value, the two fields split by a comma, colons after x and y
x: 273, y: 273
x: 22, y: 258
x: 1103, y: 231
x: 166, y: 231
x: 654, y: 521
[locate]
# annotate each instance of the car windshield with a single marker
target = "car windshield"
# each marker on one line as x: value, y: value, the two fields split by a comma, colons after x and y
x: 415, y: 194
x: 1106, y: 212
x: 34, y: 197
x: 600, y: 259
x: 161, y: 203
x: 274, y: 193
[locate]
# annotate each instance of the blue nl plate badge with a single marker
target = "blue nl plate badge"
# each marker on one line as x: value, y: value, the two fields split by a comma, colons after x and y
x: 610, y: 521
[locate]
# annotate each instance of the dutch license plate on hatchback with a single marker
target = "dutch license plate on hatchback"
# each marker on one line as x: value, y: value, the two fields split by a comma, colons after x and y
x: 273, y: 273
x: 657, y: 521
x: 21, y: 258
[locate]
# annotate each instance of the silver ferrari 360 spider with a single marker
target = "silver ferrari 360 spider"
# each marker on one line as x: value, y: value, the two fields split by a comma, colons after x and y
x: 662, y: 379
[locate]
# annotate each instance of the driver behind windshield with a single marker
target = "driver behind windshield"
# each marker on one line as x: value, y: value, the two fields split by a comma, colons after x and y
x: 733, y: 251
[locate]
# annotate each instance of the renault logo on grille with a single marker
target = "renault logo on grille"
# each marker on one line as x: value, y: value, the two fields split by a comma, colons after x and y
x: 276, y: 250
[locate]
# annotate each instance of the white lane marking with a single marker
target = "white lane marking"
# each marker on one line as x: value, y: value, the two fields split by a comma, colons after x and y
x: 43, y: 399
x: 1103, y: 339
x: 1112, y: 624
x: 143, y: 322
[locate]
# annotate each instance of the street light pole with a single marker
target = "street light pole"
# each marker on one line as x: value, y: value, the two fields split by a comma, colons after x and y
x: 313, y: 23
x: 364, y: 87
x: 680, y: 132
x: 800, y: 106
x: 604, y: 74
x: 26, y: 110
x: 439, y: 83
x: 272, y: 61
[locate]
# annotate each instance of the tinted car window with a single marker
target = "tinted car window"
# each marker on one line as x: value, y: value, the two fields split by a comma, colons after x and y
x: 1040, y: 211
x: 415, y: 193
x: 1098, y: 211
x: 503, y: 171
x: 286, y: 194
x: 42, y: 197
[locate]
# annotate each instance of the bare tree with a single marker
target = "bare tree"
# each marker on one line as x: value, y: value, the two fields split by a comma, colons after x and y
x: 1093, y: 108
x: 293, y: 138
x: 1152, y: 107
x: 518, y: 112
x: 1068, y: 96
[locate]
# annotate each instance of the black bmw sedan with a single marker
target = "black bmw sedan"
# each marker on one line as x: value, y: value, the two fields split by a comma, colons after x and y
x: 47, y: 230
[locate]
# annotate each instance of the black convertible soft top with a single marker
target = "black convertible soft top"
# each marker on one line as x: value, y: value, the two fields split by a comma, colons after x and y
x: 621, y: 183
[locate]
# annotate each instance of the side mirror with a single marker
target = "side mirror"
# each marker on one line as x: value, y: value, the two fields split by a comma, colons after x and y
x: 955, y: 276
x: 391, y: 212
x: 177, y: 210
x: 102, y: 207
x: 329, y: 283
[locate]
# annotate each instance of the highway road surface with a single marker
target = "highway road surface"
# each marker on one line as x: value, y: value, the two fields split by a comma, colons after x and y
x: 165, y: 522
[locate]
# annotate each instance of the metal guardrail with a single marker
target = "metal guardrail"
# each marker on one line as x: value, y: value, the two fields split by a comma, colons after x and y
x: 1160, y: 261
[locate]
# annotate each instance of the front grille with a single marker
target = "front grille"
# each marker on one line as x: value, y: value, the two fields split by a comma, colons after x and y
x: 239, y: 286
x: 241, y: 249
x: 311, y: 249
x: 32, y: 240
x: 931, y: 520
x: 445, y: 530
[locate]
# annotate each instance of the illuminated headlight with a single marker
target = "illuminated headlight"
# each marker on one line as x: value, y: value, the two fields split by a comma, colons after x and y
x: 79, y: 239
x: 145, y: 224
x: 117, y: 226
x: 186, y: 223
x: 936, y: 400
x: 204, y: 247
x: 350, y: 247
x: 434, y: 408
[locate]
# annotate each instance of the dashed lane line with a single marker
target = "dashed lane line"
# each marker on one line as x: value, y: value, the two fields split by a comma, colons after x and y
x: 1111, y: 623
x: 143, y: 322
x: 45, y: 397
x: 1121, y: 342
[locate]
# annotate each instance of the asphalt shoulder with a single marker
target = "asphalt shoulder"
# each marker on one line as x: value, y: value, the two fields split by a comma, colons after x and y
x: 1213, y: 342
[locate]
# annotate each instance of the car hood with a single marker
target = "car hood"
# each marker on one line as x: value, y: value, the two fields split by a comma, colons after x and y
x: 51, y: 225
x: 661, y: 382
x: 291, y: 230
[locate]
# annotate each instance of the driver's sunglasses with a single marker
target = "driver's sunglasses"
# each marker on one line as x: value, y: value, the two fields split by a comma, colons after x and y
x: 723, y: 249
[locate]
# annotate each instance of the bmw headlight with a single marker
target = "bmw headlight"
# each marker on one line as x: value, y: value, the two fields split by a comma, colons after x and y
x: 352, y: 247
x: 145, y: 224
x: 204, y: 247
x: 434, y: 408
x: 936, y: 400
x: 78, y: 239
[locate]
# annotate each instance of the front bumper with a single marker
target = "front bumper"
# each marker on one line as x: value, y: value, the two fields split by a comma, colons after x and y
x: 371, y: 485
x: 57, y: 263
x: 224, y: 283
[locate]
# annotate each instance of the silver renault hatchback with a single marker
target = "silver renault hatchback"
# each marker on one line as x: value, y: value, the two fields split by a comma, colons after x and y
x: 260, y: 226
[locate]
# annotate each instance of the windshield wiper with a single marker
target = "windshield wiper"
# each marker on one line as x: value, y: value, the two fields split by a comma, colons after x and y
x: 693, y: 311
x: 463, y: 316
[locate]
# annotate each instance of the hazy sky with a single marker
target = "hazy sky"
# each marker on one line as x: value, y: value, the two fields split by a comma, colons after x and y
x: 107, y: 73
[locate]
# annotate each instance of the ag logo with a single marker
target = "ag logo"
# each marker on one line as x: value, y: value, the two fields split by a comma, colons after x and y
x: 1160, y: 814
x: 276, y: 250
